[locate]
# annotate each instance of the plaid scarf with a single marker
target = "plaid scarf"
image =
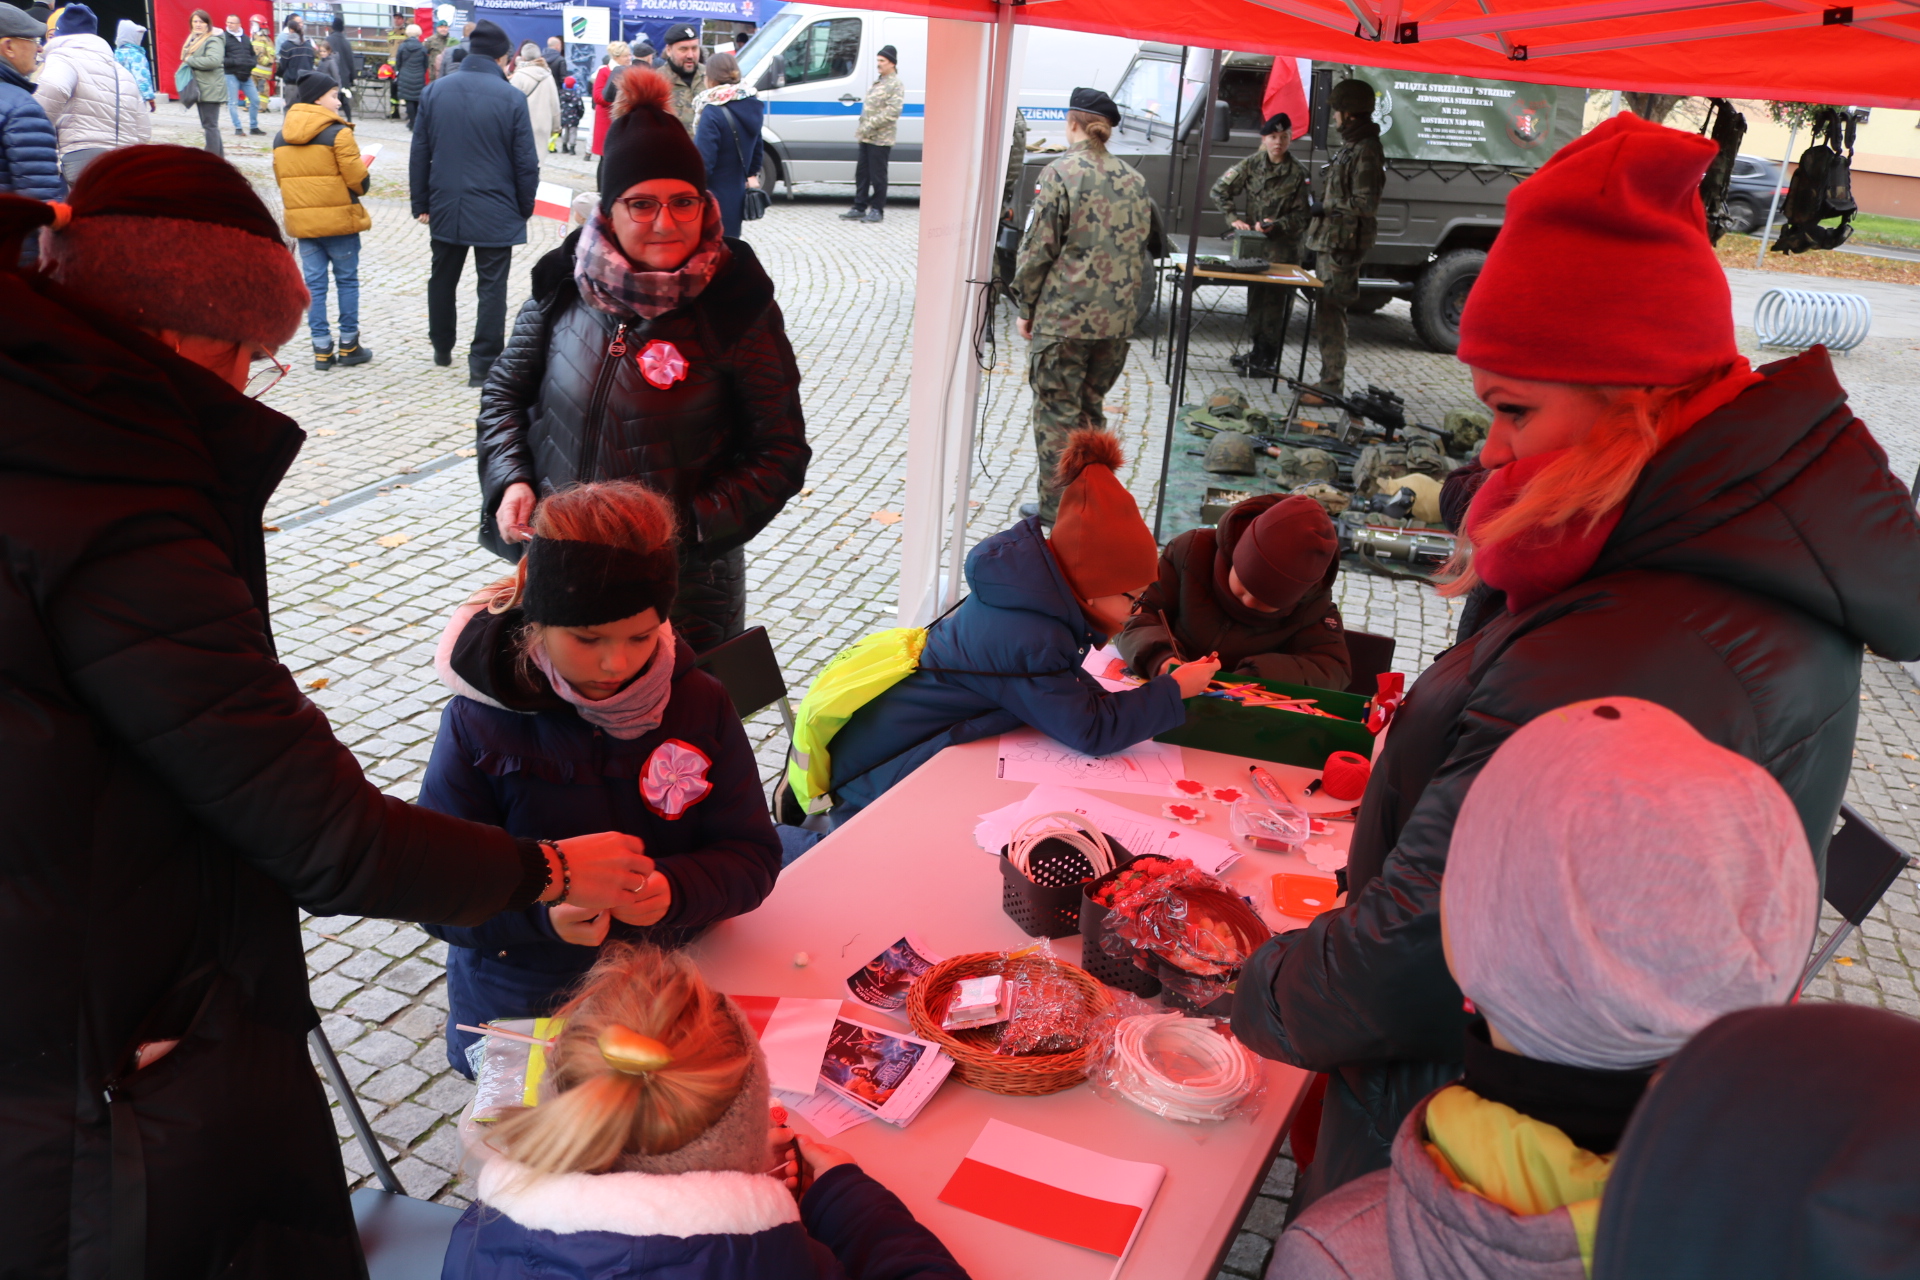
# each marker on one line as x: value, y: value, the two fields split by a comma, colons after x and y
x: 609, y: 281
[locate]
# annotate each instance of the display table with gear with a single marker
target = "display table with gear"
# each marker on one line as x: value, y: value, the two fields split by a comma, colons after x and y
x: 1273, y: 275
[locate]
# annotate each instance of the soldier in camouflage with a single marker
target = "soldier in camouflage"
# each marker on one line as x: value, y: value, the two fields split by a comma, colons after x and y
x: 879, y: 122
x: 1273, y: 187
x: 1082, y: 265
x: 682, y: 71
x: 1344, y: 223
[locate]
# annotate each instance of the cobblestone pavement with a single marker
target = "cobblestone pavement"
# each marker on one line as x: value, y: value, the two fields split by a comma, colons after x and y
x: 363, y: 583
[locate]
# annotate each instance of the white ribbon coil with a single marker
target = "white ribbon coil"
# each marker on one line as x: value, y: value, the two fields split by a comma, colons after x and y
x: 1068, y: 828
x: 1217, y: 1073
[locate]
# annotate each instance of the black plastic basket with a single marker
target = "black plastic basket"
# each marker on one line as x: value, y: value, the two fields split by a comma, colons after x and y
x: 1124, y: 975
x: 1050, y: 908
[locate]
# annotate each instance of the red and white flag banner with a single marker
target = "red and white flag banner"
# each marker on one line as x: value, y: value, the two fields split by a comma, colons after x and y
x: 551, y: 200
x: 1054, y: 1189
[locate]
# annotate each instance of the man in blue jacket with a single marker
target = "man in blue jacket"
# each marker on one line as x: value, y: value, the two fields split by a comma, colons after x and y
x: 29, y: 154
x: 474, y: 172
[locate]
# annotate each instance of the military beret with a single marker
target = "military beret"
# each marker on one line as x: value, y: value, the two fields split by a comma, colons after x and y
x: 1275, y: 123
x: 1094, y: 101
x: 680, y: 31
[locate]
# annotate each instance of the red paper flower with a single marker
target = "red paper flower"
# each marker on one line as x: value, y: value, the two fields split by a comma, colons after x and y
x: 1227, y: 795
x: 662, y: 364
x: 1182, y: 812
x: 1188, y: 787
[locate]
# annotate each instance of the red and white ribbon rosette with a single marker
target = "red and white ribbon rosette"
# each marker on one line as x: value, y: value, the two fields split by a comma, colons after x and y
x: 662, y: 364
x: 1383, y: 705
x: 675, y: 778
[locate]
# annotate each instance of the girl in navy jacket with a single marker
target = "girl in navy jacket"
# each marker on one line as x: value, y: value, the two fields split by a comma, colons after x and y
x: 649, y: 1156
x: 579, y: 711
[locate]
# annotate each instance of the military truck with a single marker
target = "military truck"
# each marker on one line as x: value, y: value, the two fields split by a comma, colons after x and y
x: 1455, y: 147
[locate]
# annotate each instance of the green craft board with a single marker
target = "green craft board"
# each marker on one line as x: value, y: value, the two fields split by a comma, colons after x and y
x: 1285, y: 737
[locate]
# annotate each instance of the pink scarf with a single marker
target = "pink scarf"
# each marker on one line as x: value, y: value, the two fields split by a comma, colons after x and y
x: 1532, y: 567
x: 609, y: 281
x: 633, y: 712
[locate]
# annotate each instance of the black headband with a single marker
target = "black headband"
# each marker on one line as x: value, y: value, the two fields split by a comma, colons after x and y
x: 588, y: 584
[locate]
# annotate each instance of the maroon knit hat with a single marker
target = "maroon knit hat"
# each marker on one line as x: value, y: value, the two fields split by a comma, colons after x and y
x: 159, y: 235
x: 1285, y: 552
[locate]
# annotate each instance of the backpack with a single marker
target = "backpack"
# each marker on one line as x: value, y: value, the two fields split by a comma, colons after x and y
x: 1822, y: 188
x: 851, y: 679
x: 238, y: 59
x: 1729, y: 128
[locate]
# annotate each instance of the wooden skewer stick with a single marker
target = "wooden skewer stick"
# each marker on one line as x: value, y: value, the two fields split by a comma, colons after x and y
x: 503, y: 1034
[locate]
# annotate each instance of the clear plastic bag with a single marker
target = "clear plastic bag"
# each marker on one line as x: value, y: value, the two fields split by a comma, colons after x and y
x: 1049, y: 1010
x: 1199, y: 928
x: 1185, y: 1069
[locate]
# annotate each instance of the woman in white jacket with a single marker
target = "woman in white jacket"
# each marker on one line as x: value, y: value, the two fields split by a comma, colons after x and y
x: 95, y: 105
x: 532, y: 78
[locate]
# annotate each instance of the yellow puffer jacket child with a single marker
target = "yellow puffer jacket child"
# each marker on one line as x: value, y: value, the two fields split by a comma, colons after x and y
x: 321, y: 178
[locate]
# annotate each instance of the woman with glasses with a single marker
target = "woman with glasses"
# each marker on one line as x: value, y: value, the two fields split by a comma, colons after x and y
x: 170, y: 796
x: 651, y: 350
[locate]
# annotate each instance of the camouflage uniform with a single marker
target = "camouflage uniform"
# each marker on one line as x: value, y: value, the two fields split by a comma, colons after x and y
x: 1276, y: 191
x: 1342, y: 234
x: 1082, y: 266
x: 681, y: 93
x: 880, y: 113
x: 1016, y: 163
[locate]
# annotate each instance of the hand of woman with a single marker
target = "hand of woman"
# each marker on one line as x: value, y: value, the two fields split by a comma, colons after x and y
x: 1239, y: 225
x: 578, y: 925
x: 649, y: 904
x: 515, y: 512
x: 754, y: 182
x: 605, y: 869
x: 1194, y: 677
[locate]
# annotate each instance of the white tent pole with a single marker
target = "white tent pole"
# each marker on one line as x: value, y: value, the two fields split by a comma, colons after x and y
x: 942, y: 394
x: 1773, y: 205
x: 979, y: 300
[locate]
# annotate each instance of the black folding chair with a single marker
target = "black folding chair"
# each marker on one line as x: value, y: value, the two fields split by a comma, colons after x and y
x: 748, y: 669
x: 403, y: 1238
x: 1862, y: 865
x: 1371, y: 656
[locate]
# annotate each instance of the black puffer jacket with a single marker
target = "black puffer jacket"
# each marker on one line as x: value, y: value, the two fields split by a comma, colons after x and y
x: 728, y: 443
x: 1757, y: 554
x: 168, y: 797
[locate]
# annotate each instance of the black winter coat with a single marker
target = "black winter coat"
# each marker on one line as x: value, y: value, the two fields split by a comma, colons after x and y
x: 169, y: 797
x: 727, y: 443
x: 410, y: 69
x: 473, y: 168
x: 1756, y: 556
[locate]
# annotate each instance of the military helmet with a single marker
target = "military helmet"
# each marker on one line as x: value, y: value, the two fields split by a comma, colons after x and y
x: 1230, y: 454
x: 1228, y: 402
x: 1353, y: 97
x: 1464, y: 429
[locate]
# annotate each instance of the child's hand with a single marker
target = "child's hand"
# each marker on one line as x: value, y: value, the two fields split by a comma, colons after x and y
x: 1194, y: 677
x: 578, y: 925
x: 819, y: 1156
x: 650, y: 904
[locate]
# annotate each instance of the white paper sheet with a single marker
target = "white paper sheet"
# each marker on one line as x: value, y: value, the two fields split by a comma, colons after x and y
x: 1139, y: 832
x: 795, y: 1040
x: 825, y: 1110
x: 1100, y: 661
x: 1147, y: 768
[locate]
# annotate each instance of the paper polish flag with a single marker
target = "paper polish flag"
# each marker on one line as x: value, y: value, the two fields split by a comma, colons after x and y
x: 1054, y: 1189
x: 551, y: 200
x: 793, y: 1035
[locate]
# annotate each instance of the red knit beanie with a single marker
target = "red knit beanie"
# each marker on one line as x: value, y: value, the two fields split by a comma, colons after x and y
x: 1603, y: 274
x: 175, y: 238
x: 1285, y: 552
x: 1099, y: 539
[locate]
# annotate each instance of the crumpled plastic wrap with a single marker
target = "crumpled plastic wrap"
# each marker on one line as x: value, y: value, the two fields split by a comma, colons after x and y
x: 1049, y: 1011
x: 1191, y: 921
x: 1181, y: 1068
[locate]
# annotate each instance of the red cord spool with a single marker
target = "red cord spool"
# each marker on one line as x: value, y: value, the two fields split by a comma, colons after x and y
x: 1345, y: 775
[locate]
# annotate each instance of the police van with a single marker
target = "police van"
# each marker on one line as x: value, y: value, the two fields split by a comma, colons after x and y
x: 813, y: 64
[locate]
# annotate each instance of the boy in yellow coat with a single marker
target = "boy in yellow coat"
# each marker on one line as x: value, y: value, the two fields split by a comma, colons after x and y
x: 322, y: 177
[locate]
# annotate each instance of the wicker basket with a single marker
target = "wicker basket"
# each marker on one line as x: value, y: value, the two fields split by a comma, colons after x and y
x: 974, y: 1060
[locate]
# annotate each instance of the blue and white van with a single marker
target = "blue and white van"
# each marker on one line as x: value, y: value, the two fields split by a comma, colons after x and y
x: 813, y: 65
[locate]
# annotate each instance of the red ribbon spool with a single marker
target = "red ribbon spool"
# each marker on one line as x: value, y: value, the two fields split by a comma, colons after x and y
x: 1345, y: 776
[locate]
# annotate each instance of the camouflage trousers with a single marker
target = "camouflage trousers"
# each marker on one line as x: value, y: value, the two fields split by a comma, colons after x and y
x: 1069, y: 378
x: 1330, y: 322
x: 1267, y: 314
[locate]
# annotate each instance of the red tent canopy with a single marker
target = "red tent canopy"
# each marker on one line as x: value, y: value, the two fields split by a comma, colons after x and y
x: 1782, y: 50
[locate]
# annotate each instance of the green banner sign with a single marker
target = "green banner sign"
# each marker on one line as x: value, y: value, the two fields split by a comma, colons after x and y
x: 1431, y: 117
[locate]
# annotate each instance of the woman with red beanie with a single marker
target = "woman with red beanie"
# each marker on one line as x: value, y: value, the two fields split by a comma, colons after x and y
x: 1661, y: 522
x: 1257, y: 591
x: 1010, y: 653
x: 170, y: 797
x: 651, y: 350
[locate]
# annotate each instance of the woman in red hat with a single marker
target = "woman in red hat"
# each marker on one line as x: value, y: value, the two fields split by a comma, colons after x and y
x: 1661, y: 522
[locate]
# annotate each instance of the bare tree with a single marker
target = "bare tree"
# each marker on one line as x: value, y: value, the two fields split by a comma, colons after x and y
x: 1654, y: 107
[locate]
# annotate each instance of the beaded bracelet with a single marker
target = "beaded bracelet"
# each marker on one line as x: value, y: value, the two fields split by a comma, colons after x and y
x: 566, y: 872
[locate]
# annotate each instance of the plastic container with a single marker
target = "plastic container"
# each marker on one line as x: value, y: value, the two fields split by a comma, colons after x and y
x: 1269, y: 827
x: 1121, y: 974
x: 1051, y: 909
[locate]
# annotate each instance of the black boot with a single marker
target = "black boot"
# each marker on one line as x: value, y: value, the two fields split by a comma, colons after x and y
x: 855, y: 214
x: 1263, y: 361
x: 352, y: 353
x: 874, y: 215
x: 323, y: 358
x: 443, y: 358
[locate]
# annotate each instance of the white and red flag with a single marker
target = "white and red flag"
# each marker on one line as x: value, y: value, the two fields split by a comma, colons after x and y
x: 1054, y: 1188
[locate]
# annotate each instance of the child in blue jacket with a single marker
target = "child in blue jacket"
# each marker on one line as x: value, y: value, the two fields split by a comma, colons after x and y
x: 650, y: 1155
x: 579, y: 711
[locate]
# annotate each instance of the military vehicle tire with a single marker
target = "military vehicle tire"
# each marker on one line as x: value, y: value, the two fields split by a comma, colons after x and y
x: 1369, y: 302
x: 1441, y: 294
